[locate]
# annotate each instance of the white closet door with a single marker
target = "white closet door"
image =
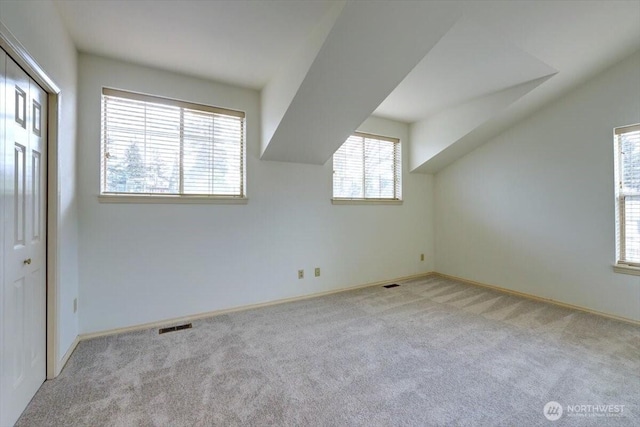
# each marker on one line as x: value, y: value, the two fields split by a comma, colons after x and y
x: 24, y: 246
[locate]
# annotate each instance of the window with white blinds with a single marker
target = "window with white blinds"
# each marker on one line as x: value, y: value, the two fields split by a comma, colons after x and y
x: 157, y: 146
x: 368, y: 167
x: 627, y: 141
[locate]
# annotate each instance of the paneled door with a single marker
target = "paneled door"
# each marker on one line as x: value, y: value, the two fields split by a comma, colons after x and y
x: 23, y: 315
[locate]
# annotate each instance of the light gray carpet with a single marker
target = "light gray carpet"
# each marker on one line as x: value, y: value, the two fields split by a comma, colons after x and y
x: 431, y: 352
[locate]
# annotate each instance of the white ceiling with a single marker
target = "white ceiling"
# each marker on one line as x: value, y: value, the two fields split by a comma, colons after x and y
x: 494, y: 45
x: 495, y: 41
x: 347, y: 79
x: 467, y: 62
x: 238, y: 42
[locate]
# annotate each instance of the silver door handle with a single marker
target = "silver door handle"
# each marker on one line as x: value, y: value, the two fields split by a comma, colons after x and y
x: 27, y: 261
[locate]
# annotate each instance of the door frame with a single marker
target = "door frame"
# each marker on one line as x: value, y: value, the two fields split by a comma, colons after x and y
x: 21, y: 56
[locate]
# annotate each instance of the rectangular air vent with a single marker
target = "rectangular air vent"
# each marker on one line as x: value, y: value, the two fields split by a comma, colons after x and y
x: 395, y: 285
x: 174, y: 328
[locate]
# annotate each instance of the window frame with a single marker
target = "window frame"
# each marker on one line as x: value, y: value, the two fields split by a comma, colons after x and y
x: 622, y: 265
x: 398, y: 175
x: 152, y: 198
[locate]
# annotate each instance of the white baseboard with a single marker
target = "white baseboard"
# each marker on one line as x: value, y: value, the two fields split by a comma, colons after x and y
x: 538, y: 298
x: 60, y: 365
x: 190, y: 318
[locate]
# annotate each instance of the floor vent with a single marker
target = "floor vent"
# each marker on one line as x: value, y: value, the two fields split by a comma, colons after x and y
x: 175, y: 328
x: 395, y: 285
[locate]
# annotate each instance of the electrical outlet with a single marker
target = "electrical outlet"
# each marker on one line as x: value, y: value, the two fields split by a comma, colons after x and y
x: 75, y: 305
x: 317, y: 271
x: 300, y: 274
x: 421, y: 257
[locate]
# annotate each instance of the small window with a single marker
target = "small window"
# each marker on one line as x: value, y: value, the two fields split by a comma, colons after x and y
x: 627, y: 142
x: 154, y: 146
x: 368, y: 167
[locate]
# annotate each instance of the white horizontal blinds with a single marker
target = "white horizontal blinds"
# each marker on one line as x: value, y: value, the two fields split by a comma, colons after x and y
x: 381, y: 169
x: 628, y: 172
x: 367, y: 167
x: 159, y: 146
x: 213, y: 154
x: 348, y: 169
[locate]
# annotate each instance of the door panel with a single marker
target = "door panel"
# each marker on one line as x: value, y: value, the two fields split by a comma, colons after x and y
x: 20, y: 106
x: 36, y: 182
x: 24, y: 245
x: 19, y: 196
x: 18, y: 325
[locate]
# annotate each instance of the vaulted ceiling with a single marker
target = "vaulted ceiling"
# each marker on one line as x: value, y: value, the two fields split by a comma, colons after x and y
x: 458, y: 71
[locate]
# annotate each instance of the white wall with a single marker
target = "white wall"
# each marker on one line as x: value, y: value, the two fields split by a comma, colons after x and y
x: 142, y: 263
x: 533, y: 209
x: 39, y: 29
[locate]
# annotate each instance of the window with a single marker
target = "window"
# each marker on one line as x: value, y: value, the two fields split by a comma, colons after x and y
x: 154, y: 146
x: 627, y: 142
x: 368, y: 167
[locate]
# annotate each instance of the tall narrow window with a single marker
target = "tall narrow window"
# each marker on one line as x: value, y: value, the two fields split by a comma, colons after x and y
x: 368, y: 167
x: 157, y: 146
x: 627, y: 142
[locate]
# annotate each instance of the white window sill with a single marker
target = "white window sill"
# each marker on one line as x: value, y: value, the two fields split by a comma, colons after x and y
x: 626, y: 269
x: 365, y: 202
x: 133, y: 198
